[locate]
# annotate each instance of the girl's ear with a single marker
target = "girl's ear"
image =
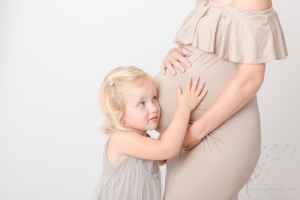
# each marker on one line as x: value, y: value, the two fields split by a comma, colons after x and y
x: 122, y: 120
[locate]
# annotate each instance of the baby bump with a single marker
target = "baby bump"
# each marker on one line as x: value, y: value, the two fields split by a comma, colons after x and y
x: 216, y: 72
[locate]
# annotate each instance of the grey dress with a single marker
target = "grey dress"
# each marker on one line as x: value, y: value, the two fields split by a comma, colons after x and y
x: 132, y: 179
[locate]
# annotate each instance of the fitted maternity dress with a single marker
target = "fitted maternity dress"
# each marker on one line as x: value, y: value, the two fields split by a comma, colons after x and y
x: 220, y: 37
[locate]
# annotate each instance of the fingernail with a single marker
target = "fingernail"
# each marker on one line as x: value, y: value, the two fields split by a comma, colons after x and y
x: 189, y: 65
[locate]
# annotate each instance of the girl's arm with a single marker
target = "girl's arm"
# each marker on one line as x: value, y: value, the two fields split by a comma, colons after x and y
x: 161, y: 162
x: 235, y: 95
x: 133, y: 144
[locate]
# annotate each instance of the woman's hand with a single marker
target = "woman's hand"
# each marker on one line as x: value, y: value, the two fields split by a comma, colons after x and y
x: 173, y: 59
x: 191, y: 138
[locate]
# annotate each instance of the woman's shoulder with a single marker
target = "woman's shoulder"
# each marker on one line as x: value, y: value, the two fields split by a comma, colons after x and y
x: 250, y: 5
x: 234, y: 34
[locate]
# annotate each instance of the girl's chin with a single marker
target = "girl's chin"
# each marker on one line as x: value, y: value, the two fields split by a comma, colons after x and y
x: 153, y: 128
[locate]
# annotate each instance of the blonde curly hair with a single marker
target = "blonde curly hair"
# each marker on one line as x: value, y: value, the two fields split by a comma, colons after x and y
x: 111, y: 99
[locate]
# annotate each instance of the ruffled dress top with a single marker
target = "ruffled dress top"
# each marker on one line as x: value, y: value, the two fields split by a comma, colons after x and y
x: 132, y: 179
x: 233, y: 34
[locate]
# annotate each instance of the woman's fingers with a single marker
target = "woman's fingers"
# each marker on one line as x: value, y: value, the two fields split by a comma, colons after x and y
x: 175, y: 63
x: 163, y: 68
x: 190, y: 139
x: 182, y: 57
x: 169, y: 66
x: 176, y: 59
x: 188, y: 53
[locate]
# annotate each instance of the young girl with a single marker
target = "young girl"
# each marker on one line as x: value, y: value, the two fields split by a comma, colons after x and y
x: 128, y: 100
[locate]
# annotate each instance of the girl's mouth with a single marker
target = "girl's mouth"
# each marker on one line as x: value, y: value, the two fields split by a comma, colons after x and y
x: 153, y: 119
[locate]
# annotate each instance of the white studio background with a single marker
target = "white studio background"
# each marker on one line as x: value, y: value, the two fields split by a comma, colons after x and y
x: 53, y: 58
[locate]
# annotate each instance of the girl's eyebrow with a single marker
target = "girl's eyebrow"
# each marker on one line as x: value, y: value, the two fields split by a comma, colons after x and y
x: 139, y: 100
x: 142, y: 98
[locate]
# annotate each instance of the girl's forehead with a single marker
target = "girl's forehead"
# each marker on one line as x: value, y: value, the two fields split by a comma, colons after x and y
x: 140, y: 91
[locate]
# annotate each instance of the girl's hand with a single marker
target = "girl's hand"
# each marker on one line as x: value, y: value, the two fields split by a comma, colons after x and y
x: 173, y: 59
x: 191, y: 138
x: 192, y: 95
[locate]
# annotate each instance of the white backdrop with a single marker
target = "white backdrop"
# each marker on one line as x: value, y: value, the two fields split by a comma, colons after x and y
x: 53, y: 58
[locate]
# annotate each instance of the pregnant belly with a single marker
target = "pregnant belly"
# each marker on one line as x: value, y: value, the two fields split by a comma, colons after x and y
x: 215, y: 71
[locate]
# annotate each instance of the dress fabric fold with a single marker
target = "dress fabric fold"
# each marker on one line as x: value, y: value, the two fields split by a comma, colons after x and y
x: 239, y: 36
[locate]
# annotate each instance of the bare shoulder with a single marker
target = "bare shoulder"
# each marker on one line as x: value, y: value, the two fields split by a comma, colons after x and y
x: 251, y: 5
x: 124, y: 138
x: 118, y: 141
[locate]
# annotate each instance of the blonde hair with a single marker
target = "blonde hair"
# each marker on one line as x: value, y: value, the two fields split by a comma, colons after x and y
x: 112, y: 103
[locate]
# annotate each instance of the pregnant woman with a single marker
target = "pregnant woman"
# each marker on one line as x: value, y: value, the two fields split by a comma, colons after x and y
x: 229, y: 43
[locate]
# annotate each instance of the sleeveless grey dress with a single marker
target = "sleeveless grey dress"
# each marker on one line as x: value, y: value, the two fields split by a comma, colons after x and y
x: 220, y: 37
x: 132, y: 179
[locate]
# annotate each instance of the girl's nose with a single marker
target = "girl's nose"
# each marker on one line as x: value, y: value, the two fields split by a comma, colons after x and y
x: 153, y: 107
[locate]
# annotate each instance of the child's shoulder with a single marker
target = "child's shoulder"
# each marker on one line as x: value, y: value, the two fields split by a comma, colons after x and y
x: 121, y: 141
x: 122, y: 136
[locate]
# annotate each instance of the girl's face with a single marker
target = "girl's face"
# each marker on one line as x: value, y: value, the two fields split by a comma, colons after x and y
x: 142, y: 108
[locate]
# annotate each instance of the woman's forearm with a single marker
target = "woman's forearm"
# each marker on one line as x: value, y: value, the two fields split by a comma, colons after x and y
x: 234, y: 96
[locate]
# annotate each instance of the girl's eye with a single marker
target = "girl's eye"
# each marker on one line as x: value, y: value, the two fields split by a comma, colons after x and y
x: 154, y: 98
x: 141, y: 104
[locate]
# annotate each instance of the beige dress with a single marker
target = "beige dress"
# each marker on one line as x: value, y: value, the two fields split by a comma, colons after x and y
x: 219, y: 36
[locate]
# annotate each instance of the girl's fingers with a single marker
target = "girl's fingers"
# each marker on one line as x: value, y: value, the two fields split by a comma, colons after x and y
x: 202, y: 95
x: 200, y: 88
x: 195, y: 84
x: 188, y: 84
x: 178, y: 90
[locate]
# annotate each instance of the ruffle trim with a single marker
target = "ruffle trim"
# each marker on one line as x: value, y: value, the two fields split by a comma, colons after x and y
x: 239, y: 36
x: 133, y: 183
